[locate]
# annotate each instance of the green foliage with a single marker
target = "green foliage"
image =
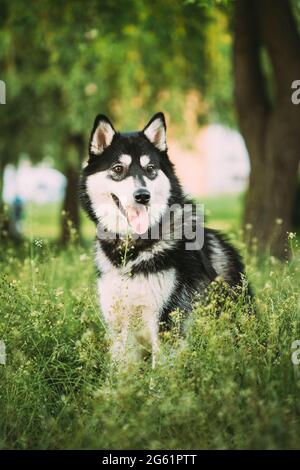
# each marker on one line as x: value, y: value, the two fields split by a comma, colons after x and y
x: 229, y: 383
x: 218, y: 89
x: 126, y: 59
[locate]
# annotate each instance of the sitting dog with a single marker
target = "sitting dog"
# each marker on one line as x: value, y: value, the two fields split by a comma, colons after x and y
x: 148, y: 263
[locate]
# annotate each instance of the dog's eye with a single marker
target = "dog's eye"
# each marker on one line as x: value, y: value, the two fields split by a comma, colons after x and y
x: 150, y: 168
x: 118, y: 169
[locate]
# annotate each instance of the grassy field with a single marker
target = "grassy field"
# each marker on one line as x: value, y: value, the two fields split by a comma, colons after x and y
x: 230, y: 383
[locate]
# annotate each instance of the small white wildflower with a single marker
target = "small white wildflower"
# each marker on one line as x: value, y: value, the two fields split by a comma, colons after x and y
x: 279, y: 221
x: 87, y: 335
x: 84, y: 318
x: 38, y: 242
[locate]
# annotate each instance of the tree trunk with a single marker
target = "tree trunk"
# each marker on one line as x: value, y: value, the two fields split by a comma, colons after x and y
x: 70, y: 218
x: 70, y: 222
x: 271, y: 131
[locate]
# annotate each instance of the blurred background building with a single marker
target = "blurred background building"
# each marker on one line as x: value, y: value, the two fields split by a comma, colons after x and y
x: 215, y: 163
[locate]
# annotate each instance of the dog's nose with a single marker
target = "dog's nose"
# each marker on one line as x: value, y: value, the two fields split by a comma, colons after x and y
x: 142, y: 196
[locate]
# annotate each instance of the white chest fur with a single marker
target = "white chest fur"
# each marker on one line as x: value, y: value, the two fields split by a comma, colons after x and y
x: 136, y: 300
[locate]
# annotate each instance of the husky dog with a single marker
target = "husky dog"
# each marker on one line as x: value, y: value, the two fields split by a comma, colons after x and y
x: 127, y: 187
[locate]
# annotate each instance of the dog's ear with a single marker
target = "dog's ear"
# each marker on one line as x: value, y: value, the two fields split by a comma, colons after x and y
x: 155, y: 131
x: 102, y: 135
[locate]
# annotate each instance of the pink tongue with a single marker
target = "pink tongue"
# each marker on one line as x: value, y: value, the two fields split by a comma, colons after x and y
x: 138, y: 218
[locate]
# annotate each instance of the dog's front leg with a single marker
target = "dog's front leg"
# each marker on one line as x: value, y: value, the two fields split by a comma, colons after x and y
x: 155, y: 349
x: 152, y: 322
x: 119, y: 335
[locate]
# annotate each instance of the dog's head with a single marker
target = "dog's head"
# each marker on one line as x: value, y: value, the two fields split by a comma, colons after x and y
x: 128, y: 177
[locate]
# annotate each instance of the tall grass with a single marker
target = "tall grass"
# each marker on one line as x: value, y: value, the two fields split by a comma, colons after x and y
x: 229, y: 383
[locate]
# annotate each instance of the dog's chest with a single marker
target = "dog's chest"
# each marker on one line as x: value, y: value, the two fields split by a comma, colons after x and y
x: 122, y: 294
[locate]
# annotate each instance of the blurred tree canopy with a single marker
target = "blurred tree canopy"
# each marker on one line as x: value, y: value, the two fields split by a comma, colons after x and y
x: 64, y: 62
x: 71, y: 61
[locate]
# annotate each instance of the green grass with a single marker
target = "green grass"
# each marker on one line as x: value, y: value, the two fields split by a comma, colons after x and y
x: 224, y: 212
x: 228, y: 384
x: 43, y: 221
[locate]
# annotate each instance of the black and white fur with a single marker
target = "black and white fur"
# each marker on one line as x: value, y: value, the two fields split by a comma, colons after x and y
x: 158, y: 276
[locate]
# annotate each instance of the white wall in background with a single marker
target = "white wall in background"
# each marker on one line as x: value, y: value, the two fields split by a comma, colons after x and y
x: 216, y: 163
x: 39, y: 183
x: 227, y: 161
